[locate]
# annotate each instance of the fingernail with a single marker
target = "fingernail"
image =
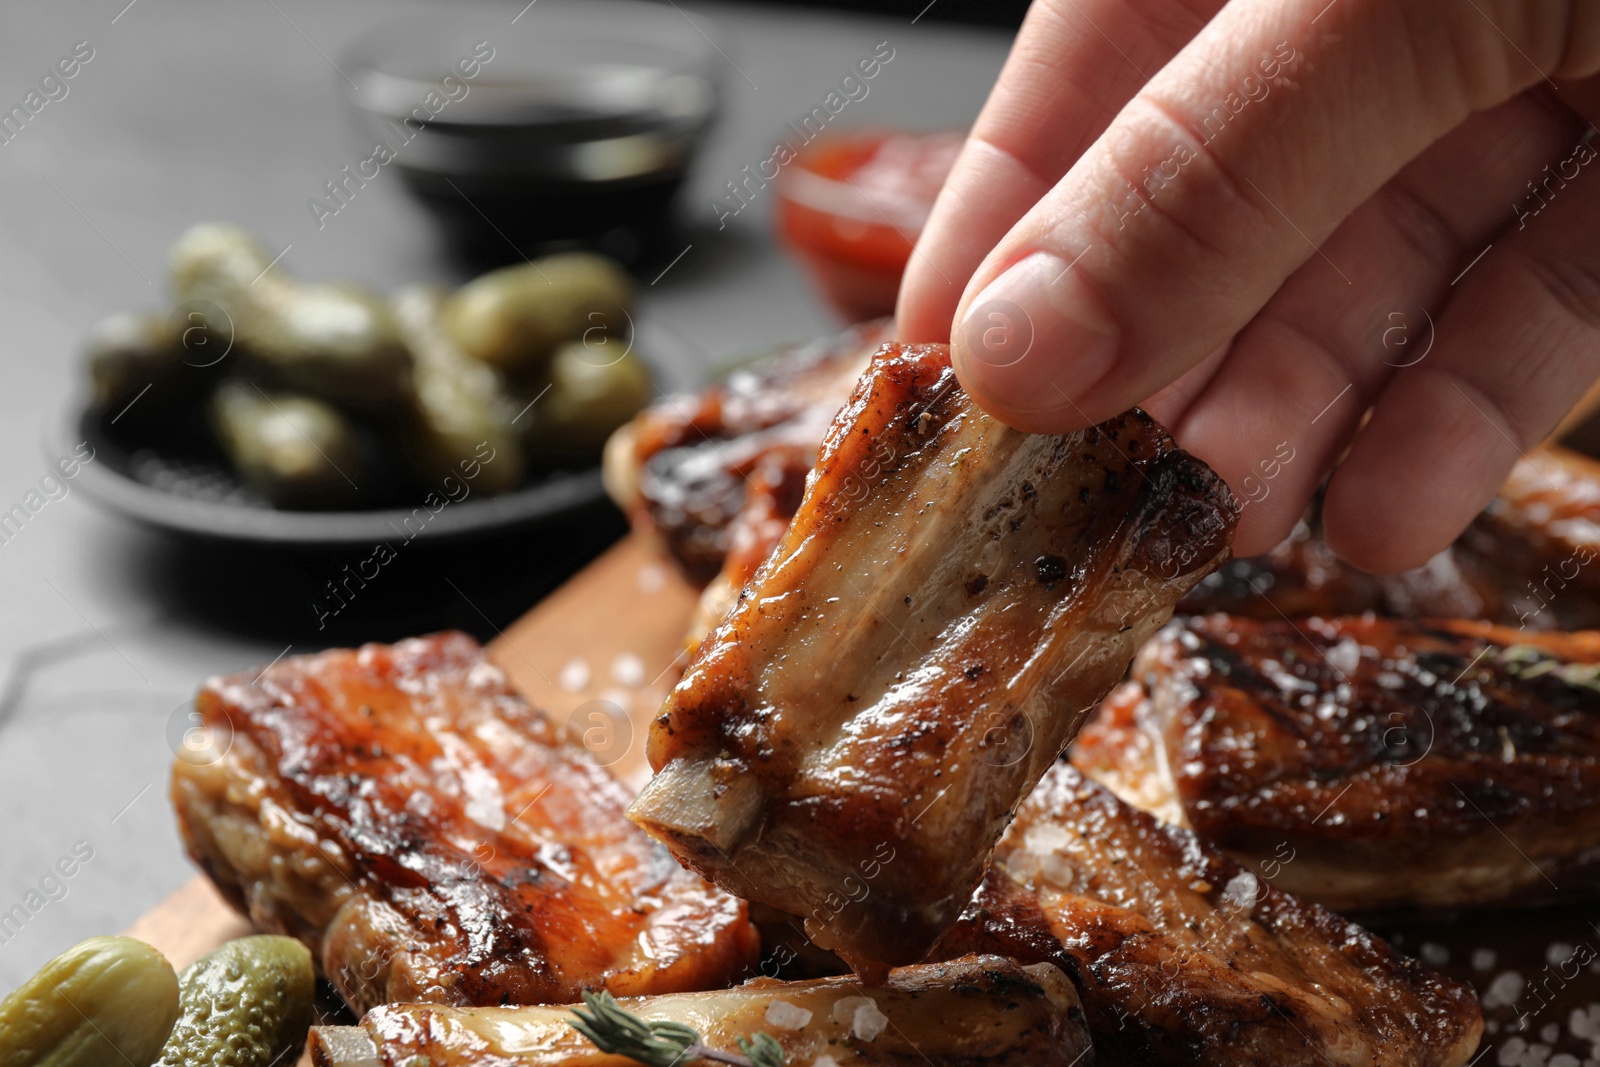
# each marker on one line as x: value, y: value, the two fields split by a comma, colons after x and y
x: 1035, y: 340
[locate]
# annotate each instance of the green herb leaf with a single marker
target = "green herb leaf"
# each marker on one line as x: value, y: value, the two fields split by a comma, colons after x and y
x: 762, y: 1049
x: 655, y: 1044
x: 662, y: 1043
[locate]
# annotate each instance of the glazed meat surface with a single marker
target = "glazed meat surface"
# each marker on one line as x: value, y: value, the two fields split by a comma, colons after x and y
x: 1183, y: 957
x: 688, y: 468
x: 965, y: 1013
x: 430, y: 837
x: 1375, y: 763
x: 951, y: 599
x: 1524, y: 562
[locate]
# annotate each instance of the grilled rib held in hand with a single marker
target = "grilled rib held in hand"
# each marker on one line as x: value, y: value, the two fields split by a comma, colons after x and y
x: 950, y: 601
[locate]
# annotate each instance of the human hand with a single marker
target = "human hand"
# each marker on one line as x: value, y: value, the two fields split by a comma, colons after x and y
x: 1262, y: 218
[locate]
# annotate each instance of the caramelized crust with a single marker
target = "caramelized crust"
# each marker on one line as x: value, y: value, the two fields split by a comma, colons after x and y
x: 686, y: 469
x: 430, y: 837
x: 951, y: 599
x: 1182, y: 956
x: 1526, y: 561
x: 1400, y: 763
x: 966, y: 1013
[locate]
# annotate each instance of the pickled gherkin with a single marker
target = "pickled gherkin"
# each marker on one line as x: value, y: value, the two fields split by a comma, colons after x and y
x: 515, y: 318
x: 459, y: 404
x: 248, y: 1004
x: 107, y: 1000
x: 328, y: 396
x: 593, y: 389
x: 339, y: 342
x: 296, y: 451
x: 138, y: 357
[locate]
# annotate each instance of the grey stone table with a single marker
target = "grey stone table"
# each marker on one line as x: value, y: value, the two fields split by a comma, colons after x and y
x: 232, y: 110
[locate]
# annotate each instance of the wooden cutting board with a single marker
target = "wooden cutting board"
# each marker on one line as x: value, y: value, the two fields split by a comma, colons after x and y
x: 611, y: 634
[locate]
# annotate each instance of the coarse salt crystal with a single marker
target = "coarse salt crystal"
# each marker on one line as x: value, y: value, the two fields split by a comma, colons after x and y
x: 1585, y: 1022
x: 844, y: 1009
x: 785, y: 1016
x: 628, y: 670
x: 575, y: 675
x: 1043, y: 838
x: 1345, y: 655
x: 1504, y: 990
x: 652, y: 578
x: 868, y: 1022
x: 1056, y: 871
x: 1240, y: 892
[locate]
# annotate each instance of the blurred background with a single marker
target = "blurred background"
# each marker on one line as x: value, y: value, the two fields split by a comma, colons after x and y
x: 130, y: 576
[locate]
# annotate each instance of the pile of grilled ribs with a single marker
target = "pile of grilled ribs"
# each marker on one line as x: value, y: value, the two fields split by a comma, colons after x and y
x: 944, y: 782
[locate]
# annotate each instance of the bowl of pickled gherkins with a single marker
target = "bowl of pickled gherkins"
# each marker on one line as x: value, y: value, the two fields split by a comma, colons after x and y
x: 262, y: 407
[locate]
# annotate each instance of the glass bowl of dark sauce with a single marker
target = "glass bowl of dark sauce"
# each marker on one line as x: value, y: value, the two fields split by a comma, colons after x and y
x: 571, y: 124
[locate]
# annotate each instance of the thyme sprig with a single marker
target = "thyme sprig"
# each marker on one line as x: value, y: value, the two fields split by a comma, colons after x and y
x: 663, y: 1043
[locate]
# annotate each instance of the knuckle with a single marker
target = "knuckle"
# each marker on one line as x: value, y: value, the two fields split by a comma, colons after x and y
x: 1169, y: 182
x: 1572, y: 283
x: 1581, y: 55
x: 1420, y: 224
x: 1505, y: 412
x: 1492, y: 48
x: 1335, y: 356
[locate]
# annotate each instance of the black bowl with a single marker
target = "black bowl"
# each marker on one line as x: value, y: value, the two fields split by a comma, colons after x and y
x: 195, y: 494
x: 571, y: 122
x: 188, y: 489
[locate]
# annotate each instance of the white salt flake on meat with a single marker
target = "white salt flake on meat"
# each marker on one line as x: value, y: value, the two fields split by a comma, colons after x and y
x: 868, y: 1022
x: 1043, y: 839
x: 485, y: 799
x: 1056, y: 871
x: 785, y: 1016
x: 1240, y: 892
x: 1344, y: 655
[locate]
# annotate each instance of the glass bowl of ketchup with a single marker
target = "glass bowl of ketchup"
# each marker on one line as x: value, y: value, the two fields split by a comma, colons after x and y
x: 851, y: 206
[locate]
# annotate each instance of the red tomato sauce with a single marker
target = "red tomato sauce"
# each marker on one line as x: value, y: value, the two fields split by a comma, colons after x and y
x: 851, y: 206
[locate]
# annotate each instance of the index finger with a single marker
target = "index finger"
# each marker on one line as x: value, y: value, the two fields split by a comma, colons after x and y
x: 1075, y: 64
